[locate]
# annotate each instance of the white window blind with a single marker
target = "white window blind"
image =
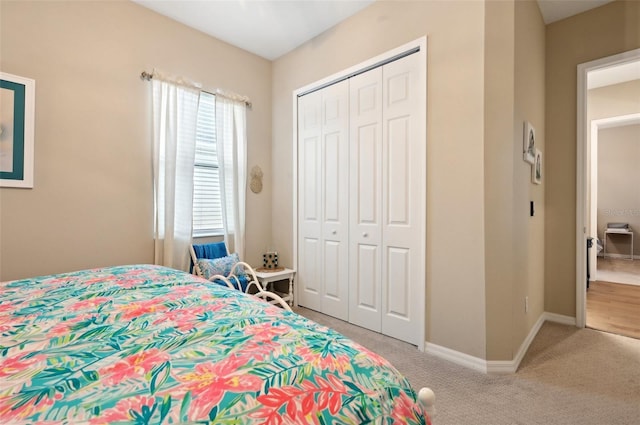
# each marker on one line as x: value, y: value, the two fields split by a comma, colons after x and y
x: 207, y: 206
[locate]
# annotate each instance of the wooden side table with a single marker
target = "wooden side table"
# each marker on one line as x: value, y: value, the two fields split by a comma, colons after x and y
x: 266, y: 276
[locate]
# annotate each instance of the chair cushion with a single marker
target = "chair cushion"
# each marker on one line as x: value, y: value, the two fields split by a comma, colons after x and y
x: 222, y: 266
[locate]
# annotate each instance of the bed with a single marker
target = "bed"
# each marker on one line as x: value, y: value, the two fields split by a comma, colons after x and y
x: 147, y: 344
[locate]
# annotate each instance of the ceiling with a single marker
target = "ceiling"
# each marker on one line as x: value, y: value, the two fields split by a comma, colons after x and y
x: 555, y: 10
x: 271, y: 28
x: 268, y: 28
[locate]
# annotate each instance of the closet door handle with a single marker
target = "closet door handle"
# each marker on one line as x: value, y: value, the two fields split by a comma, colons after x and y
x: 334, y: 232
x: 365, y: 234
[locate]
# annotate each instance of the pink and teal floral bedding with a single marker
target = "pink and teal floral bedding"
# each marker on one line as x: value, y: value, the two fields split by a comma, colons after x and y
x: 152, y: 345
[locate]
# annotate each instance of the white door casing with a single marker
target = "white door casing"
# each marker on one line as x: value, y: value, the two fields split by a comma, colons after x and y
x: 583, y: 210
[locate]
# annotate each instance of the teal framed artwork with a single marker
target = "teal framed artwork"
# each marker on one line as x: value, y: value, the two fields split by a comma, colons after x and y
x: 17, y: 114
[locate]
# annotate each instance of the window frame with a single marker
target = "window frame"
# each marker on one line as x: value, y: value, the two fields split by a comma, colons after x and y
x: 206, y: 167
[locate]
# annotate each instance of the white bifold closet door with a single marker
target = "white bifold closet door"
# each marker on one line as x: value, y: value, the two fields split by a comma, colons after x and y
x: 323, y: 212
x: 386, y: 213
x: 361, y: 185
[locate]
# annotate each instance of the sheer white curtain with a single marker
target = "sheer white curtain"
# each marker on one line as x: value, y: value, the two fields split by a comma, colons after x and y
x: 232, y: 155
x: 175, y: 109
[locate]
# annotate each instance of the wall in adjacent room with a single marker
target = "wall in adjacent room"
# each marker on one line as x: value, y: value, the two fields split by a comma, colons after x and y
x: 608, y: 30
x: 92, y: 200
x: 618, y: 181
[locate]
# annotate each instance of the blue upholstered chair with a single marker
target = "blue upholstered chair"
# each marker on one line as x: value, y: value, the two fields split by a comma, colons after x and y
x: 221, y: 264
x: 227, y: 270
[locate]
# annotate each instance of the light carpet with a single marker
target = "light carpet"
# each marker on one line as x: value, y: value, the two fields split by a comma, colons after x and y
x: 569, y: 376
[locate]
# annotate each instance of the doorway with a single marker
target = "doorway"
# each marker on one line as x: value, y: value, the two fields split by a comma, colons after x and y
x: 614, y: 199
x: 613, y: 298
x: 596, y: 222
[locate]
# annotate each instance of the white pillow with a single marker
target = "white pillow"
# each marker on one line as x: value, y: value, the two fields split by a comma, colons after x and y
x: 222, y: 266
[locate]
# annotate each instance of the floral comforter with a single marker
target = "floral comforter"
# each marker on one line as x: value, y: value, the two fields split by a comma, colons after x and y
x: 152, y: 345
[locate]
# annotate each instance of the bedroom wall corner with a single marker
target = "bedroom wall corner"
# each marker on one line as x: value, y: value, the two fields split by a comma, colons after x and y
x: 500, y: 249
x: 92, y: 201
x: 514, y: 92
x: 529, y: 232
x: 607, y: 30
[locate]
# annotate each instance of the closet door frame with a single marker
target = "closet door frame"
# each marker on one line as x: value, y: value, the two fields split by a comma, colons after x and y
x: 418, y: 46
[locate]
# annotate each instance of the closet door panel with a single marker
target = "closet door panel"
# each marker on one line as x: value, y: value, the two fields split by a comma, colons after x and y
x: 309, y: 278
x: 367, y: 176
x: 310, y: 253
x: 365, y: 200
x: 403, y: 184
x: 335, y: 199
x: 398, y: 260
x: 311, y: 208
x: 332, y: 179
x: 331, y: 270
x: 398, y: 161
x: 366, y: 293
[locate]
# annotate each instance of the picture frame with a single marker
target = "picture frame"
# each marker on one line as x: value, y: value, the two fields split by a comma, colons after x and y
x: 17, y: 119
x: 529, y: 143
x: 536, y: 168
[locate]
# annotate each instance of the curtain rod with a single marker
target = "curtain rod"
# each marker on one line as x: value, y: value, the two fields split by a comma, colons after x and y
x: 148, y: 76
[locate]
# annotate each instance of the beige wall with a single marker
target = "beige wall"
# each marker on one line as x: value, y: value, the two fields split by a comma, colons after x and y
x: 618, y: 179
x: 613, y: 101
x: 455, y: 304
x: 92, y: 203
x: 601, y: 32
x: 529, y: 232
x: 500, y: 256
x: 514, y: 93
x: 485, y: 77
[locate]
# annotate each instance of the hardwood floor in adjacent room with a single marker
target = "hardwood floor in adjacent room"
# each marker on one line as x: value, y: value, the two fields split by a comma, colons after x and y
x: 614, y: 307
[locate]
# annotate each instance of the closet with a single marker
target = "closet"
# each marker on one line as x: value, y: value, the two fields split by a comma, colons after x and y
x: 361, y: 199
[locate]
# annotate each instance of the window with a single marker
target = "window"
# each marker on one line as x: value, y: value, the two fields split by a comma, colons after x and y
x: 207, y: 205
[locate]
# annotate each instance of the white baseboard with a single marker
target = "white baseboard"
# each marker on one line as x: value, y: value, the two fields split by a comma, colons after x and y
x: 510, y: 366
x: 498, y: 366
x: 559, y: 318
x: 456, y: 357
